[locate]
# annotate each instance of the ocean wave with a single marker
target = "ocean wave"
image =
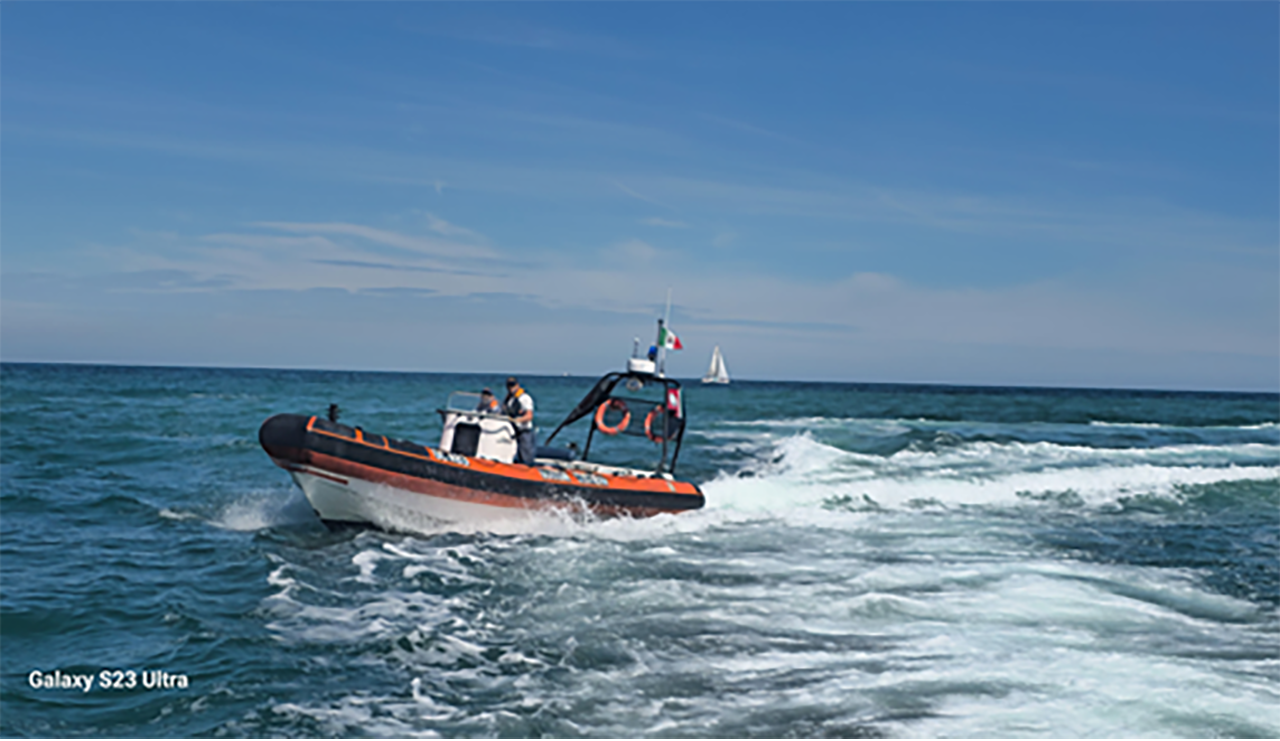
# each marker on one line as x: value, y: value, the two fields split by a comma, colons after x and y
x: 804, y: 472
x: 1162, y: 426
x: 264, y: 509
x: 816, y: 422
x: 1140, y: 425
x: 177, y: 515
x: 896, y: 424
x: 805, y: 452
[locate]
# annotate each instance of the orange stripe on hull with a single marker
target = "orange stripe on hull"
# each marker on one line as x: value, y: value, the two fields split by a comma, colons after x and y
x: 433, y: 488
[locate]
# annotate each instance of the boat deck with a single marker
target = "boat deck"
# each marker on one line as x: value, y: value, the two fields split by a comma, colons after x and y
x: 602, y: 468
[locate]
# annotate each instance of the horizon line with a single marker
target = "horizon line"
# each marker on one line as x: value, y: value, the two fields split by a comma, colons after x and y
x: 927, y: 384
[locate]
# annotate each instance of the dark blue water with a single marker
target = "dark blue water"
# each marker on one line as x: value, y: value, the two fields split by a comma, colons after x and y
x: 873, y: 561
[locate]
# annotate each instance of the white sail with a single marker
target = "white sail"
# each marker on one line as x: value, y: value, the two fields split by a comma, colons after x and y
x: 716, y: 373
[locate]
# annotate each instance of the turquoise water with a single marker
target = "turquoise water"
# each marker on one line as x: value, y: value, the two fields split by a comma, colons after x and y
x: 873, y: 561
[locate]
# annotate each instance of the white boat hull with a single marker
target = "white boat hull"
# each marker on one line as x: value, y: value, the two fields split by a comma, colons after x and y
x: 355, y: 501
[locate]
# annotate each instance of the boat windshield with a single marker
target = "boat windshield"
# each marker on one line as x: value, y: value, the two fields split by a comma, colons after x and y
x: 469, y: 402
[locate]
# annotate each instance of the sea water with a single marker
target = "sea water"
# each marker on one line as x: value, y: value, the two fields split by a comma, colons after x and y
x: 873, y: 560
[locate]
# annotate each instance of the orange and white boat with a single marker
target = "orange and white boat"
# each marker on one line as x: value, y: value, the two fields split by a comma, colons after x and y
x: 350, y: 475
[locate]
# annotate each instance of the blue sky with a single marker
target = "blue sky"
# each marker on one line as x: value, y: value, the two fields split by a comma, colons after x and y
x: 1075, y: 194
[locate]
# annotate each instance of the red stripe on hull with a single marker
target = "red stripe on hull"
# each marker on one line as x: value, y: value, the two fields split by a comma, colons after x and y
x: 321, y: 474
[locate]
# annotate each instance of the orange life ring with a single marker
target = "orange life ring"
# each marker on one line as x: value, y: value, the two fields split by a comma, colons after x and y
x: 605, y: 406
x: 648, y: 425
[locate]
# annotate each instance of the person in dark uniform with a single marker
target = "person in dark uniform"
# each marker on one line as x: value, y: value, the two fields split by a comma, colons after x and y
x: 519, y: 406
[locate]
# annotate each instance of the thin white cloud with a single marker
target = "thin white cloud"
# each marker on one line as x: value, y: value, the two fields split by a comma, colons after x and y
x: 423, y: 245
x: 749, y: 128
x: 270, y: 241
x: 667, y: 223
x: 301, y: 262
x: 632, y: 251
x: 640, y: 196
x: 444, y: 228
x: 1044, y: 314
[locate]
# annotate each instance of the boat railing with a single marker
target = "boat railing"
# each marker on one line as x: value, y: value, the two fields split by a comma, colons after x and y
x: 609, y: 415
x: 619, y: 416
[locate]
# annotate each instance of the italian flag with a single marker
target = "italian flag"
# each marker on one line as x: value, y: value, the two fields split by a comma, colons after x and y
x: 668, y: 339
x: 673, y: 402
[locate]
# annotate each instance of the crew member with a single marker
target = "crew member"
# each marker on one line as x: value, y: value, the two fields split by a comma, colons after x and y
x: 519, y: 406
x: 488, y: 404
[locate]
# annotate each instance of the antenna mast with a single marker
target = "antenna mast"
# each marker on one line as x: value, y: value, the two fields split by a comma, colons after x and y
x: 662, y: 346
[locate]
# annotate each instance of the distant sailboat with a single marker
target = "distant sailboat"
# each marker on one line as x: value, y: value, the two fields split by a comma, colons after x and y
x: 717, y: 372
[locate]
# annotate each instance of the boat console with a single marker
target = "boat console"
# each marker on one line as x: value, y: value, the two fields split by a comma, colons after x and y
x: 467, y: 431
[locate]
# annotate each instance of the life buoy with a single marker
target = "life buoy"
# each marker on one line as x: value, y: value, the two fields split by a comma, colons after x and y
x: 648, y: 425
x: 605, y: 406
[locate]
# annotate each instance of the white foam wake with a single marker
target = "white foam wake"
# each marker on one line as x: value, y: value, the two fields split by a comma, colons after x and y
x: 757, y: 627
x: 263, y: 509
x: 802, y: 472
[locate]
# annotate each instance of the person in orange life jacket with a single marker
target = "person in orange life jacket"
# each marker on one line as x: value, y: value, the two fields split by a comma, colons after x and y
x: 519, y: 406
x: 488, y: 404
